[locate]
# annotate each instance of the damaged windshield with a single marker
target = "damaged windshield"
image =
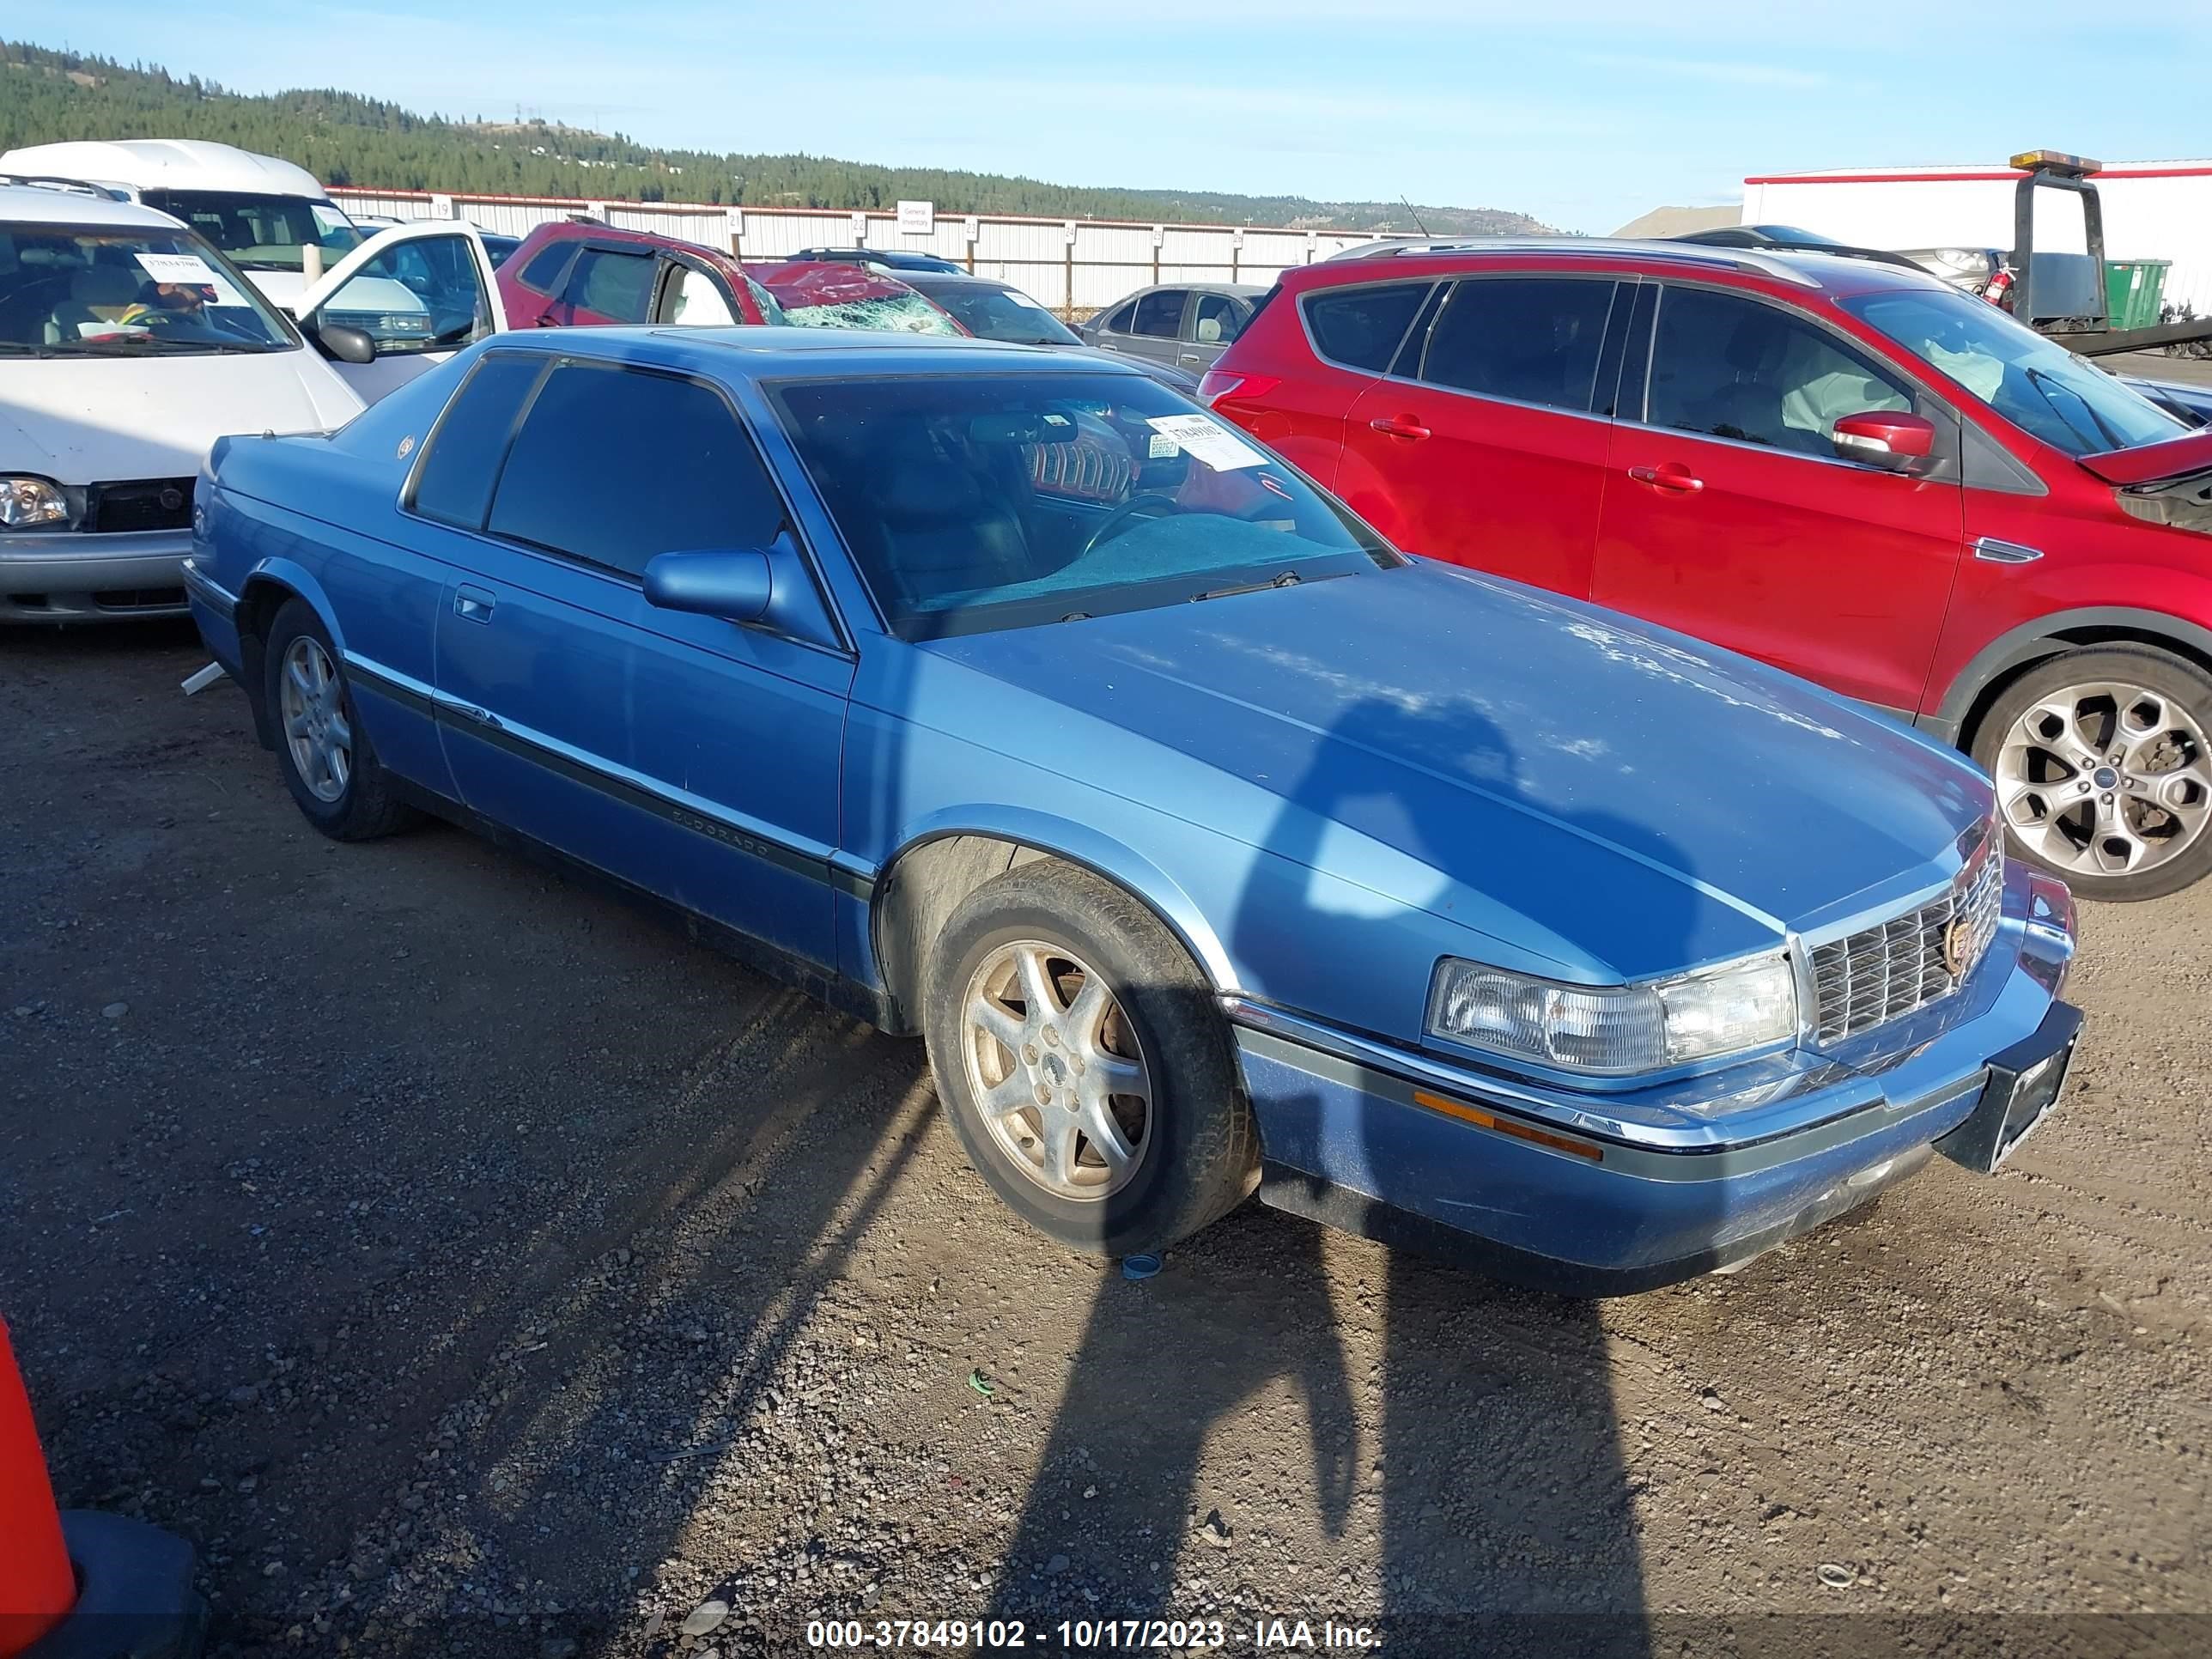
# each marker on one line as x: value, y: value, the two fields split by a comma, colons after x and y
x: 2032, y: 380
x: 1000, y: 500
x: 92, y: 292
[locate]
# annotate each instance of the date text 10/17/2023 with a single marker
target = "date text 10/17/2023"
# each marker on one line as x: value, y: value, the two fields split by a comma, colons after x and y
x: 1094, y: 1635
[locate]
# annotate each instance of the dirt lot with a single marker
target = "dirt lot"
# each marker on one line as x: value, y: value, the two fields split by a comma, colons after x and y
x: 470, y: 1267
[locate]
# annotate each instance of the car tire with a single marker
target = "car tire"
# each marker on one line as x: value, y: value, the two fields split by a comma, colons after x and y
x: 324, y: 752
x: 2133, y: 725
x: 1187, y: 1146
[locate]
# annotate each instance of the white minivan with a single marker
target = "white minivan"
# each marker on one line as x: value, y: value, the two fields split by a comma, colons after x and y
x: 129, y: 345
x: 274, y: 220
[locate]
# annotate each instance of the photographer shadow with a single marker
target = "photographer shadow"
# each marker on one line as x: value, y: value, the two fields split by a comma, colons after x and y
x: 1496, y: 1512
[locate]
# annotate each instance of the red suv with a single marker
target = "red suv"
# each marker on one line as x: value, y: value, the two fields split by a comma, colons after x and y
x: 571, y: 272
x: 1848, y: 470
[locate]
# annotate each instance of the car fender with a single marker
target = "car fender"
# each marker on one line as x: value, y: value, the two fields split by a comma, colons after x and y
x: 2043, y: 637
x: 1081, y: 844
x: 290, y: 574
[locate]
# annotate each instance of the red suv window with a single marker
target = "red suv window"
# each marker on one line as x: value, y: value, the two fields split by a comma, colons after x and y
x: 1363, y: 327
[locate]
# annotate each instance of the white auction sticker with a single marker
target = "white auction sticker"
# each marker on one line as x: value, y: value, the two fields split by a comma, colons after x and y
x: 177, y: 268
x: 1207, y: 439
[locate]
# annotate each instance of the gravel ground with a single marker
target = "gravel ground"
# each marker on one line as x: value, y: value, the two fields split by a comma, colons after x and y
x: 470, y: 1265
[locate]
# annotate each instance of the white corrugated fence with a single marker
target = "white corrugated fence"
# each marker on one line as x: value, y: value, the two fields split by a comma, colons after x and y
x: 1074, y: 265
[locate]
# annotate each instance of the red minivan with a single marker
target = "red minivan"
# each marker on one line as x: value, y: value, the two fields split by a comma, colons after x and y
x: 1848, y: 470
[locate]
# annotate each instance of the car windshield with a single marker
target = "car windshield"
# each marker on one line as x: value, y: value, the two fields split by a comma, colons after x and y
x: 830, y: 295
x: 101, y: 292
x: 261, y: 233
x: 1002, y: 501
x: 991, y: 313
x: 2028, y: 378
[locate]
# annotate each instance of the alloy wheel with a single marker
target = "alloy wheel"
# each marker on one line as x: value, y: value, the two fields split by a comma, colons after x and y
x: 313, y: 704
x: 2106, y: 778
x: 1056, y: 1071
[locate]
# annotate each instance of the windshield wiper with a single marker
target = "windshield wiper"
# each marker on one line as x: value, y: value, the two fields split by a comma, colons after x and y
x: 2043, y: 382
x: 1288, y: 579
x: 126, y: 345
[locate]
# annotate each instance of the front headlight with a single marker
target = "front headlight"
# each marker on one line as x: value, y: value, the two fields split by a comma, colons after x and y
x: 27, y: 504
x: 1616, y: 1030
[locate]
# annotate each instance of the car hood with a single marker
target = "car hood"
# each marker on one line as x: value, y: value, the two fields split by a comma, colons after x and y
x: 280, y: 287
x: 81, y: 420
x: 2149, y: 463
x: 1625, y: 800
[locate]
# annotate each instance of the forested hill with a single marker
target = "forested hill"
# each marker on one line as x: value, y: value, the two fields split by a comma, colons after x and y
x: 344, y: 139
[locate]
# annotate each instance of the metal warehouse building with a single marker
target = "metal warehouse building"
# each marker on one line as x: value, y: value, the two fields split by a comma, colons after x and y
x: 2153, y: 210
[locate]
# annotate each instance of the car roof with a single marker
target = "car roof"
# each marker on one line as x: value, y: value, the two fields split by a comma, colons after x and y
x: 55, y: 204
x: 1833, y: 274
x: 166, y: 163
x: 749, y: 352
x: 578, y: 230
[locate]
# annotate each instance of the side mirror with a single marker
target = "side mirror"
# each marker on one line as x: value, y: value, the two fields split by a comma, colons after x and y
x: 738, y: 585
x: 1890, y: 438
x: 347, y: 345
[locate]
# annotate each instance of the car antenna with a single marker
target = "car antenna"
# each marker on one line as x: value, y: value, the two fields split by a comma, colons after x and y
x: 1416, y: 212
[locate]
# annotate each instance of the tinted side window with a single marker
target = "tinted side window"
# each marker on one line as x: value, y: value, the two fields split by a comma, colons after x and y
x: 1734, y: 369
x: 614, y: 465
x: 462, y: 461
x: 1219, y: 320
x: 1119, y: 322
x: 546, y: 265
x: 616, y: 286
x: 1532, y: 339
x: 1362, y: 327
x: 1159, y: 312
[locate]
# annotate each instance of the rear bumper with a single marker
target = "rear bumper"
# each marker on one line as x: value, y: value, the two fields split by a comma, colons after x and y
x: 214, y: 612
x: 69, y: 576
x: 1529, y: 1187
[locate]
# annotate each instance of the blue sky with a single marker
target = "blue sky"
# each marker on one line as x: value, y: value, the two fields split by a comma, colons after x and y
x: 1584, y: 113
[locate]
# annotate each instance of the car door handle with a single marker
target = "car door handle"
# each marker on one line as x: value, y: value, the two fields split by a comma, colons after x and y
x: 1190, y: 357
x: 1407, y: 427
x: 474, y: 604
x: 547, y: 320
x: 1670, y: 476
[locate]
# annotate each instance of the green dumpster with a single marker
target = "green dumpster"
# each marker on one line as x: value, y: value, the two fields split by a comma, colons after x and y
x: 2132, y: 290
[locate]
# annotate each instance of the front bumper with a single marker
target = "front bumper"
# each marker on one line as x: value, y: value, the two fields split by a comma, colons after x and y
x: 69, y: 576
x: 1604, y: 1195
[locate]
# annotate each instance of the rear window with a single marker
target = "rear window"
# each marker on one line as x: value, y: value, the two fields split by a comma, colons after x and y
x: 546, y: 265
x: 454, y: 484
x: 1362, y: 327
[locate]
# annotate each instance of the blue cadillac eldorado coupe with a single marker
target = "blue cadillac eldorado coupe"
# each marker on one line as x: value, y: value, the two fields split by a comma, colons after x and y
x: 1009, y: 699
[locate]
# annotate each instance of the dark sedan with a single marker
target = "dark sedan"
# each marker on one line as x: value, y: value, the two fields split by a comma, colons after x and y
x: 992, y: 310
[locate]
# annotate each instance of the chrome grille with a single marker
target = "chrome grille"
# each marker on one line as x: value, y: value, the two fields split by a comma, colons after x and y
x: 1896, y: 966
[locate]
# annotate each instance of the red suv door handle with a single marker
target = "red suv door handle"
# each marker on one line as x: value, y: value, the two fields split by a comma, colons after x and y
x: 1407, y: 427
x: 1669, y: 476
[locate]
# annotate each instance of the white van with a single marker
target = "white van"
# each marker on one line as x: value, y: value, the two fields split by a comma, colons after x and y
x: 277, y: 224
x: 127, y: 346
